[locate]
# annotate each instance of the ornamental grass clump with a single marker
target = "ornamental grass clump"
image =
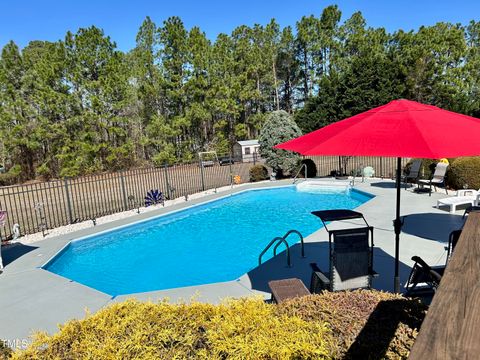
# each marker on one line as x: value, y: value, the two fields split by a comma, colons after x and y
x: 365, y: 324
x: 240, y: 329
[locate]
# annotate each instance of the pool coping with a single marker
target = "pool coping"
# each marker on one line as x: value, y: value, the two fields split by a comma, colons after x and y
x: 33, y: 298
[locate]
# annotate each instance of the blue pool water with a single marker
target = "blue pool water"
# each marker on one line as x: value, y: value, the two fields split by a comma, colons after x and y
x: 212, y: 242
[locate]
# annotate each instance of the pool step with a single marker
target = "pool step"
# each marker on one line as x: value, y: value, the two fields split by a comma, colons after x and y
x: 324, y: 186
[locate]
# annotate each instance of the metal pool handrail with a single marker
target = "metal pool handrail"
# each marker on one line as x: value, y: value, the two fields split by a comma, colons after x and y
x: 280, y: 240
x: 298, y: 173
x: 285, y: 238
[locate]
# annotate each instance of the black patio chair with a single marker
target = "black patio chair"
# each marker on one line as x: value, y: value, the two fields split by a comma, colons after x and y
x: 452, y: 242
x: 429, y: 276
x: 471, y: 208
x: 423, y: 278
x: 350, y: 262
x: 413, y: 172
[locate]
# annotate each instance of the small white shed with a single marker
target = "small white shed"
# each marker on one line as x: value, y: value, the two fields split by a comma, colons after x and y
x: 246, y: 151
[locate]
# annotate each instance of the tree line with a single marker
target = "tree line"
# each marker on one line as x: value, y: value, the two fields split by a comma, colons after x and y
x: 80, y: 105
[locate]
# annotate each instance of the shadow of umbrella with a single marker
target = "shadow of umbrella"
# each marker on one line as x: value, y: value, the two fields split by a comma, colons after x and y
x: 381, y: 327
x: 276, y: 269
x: 12, y: 252
x: 432, y: 226
x: 383, y: 264
x: 384, y: 184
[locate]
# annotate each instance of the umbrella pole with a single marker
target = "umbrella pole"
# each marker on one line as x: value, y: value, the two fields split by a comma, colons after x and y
x: 397, y: 224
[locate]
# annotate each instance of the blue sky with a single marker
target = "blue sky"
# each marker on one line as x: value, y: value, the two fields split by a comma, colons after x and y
x: 26, y: 20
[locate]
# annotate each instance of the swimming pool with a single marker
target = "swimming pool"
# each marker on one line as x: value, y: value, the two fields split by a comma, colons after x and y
x: 211, y: 242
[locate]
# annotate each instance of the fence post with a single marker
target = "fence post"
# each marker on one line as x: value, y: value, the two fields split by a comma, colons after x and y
x: 254, y: 158
x: 124, y: 191
x: 203, y: 178
x: 169, y: 194
x: 69, y: 201
x: 230, y: 168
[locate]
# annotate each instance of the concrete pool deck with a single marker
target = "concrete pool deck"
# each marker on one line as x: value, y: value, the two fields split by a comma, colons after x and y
x: 34, y: 299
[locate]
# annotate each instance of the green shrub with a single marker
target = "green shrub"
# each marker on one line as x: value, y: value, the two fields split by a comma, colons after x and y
x: 7, y: 179
x: 15, y: 170
x: 238, y: 329
x: 365, y: 324
x: 43, y: 172
x: 11, y: 177
x: 311, y: 168
x: 464, y: 171
x: 258, y: 173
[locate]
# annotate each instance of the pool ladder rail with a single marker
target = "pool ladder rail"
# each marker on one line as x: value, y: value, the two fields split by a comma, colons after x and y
x: 295, y: 178
x: 282, y: 240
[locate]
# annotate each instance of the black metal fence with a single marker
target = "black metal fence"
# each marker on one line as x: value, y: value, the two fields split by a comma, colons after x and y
x: 46, y: 205
x: 352, y: 165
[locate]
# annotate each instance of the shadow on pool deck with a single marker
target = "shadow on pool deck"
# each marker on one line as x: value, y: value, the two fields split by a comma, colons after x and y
x: 432, y: 226
x: 276, y: 268
x: 12, y: 252
x: 385, y: 185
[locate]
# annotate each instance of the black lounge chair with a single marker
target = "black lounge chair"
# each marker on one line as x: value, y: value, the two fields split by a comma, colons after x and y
x: 471, y: 208
x: 429, y: 276
x: 422, y: 273
x: 452, y: 242
x: 350, y: 262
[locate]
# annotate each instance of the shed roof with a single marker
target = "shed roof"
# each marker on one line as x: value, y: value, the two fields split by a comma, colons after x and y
x: 248, y: 142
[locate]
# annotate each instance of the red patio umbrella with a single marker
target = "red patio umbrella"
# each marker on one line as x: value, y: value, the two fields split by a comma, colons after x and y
x: 401, y: 128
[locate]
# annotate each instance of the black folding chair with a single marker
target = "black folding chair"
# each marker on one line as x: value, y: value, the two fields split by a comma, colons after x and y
x: 452, y: 242
x: 350, y: 261
x: 423, y: 278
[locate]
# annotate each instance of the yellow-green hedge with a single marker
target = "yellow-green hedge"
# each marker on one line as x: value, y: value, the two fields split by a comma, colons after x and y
x: 244, y: 329
x: 356, y: 325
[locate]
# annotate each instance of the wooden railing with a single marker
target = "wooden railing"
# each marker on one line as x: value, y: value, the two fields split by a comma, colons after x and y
x: 451, y: 329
